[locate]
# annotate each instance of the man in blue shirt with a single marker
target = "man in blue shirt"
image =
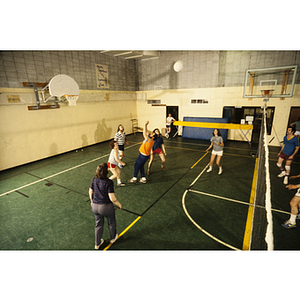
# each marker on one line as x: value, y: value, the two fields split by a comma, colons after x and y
x: 287, y: 152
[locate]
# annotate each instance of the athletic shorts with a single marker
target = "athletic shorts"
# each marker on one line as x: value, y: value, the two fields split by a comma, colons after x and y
x: 111, y: 166
x: 121, y: 147
x: 298, y: 193
x: 219, y: 153
x: 284, y: 156
x: 157, y: 151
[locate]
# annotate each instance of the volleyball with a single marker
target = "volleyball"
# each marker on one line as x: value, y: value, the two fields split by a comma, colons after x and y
x: 178, y: 66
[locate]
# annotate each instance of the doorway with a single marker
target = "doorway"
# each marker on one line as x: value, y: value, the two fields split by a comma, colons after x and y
x: 174, y: 111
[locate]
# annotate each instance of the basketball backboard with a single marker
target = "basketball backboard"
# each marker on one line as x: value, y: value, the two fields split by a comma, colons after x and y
x: 279, y: 80
x: 61, y: 85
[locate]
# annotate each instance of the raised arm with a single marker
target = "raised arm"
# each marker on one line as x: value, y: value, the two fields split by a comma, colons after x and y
x: 145, y: 131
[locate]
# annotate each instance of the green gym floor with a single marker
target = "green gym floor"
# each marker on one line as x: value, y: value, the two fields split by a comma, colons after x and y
x: 45, y: 205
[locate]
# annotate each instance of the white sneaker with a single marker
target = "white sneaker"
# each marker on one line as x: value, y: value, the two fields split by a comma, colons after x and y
x: 220, y: 171
x: 97, y: 247
x: 286, y: 180
x: 113, y: 240
x: 143, y: 180
x: 209, y: 169
x: 281, y: 174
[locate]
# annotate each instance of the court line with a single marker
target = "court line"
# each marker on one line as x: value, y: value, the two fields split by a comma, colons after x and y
x: 127, y: 228
x: 250, y: 215
x: 200, y: 228
x: 59, y: 173
x: 238, y: 201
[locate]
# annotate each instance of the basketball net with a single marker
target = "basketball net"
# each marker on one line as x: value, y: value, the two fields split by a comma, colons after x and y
x: 267, y: 94
x: 72, y: 99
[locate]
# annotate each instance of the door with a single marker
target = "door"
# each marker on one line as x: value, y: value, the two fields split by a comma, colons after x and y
x: 173, y: 110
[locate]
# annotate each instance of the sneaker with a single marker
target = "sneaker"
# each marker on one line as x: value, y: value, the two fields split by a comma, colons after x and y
x: 116, y: 237
x: 143, y: 180
x: 132, y: 180
x: 220, y: 171
x: 289, y: 225
x: 209, y: 169
x: 286, y: 180
x: 281, y: 174
x: 120, y: 184
x: 97, y: 247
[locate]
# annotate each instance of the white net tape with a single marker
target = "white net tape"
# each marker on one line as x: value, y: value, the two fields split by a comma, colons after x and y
x: 72, y: 99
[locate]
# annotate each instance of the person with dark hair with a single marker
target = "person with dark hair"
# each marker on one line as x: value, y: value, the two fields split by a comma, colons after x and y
x: 113, y: 162
x: 144, y: 150
x: 217, y: 144
x: 287, y: 152
x: 103, y: 199
x: 158, y: 148
x: 295, y: 205
x: 120, y: 138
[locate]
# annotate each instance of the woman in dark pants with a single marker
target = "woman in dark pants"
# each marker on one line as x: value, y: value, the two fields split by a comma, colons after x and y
x: 103, y: 198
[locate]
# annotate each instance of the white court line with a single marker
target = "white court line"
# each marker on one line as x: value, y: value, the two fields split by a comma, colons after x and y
x: 59, y: 173
x: 238, y: 201
x: 197, y: 225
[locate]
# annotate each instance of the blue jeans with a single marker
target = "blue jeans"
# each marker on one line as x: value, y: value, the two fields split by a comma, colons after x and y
x: 139, y: 165
x: 100, y: 211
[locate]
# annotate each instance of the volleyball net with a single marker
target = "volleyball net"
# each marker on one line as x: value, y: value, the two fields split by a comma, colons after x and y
x: 262, y: 222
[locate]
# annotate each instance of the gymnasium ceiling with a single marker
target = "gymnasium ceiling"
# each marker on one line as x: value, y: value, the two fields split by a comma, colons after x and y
x: 132, y: 54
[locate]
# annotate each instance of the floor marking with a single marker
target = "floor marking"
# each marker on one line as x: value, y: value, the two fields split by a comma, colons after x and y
x: 249, y: 222
x: 199, y: 160
x: 128, y: 227
x: 59, y: 173
x: 199, y: 227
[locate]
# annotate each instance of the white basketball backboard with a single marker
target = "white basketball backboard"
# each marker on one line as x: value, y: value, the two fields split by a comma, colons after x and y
x: 280, y: 80
x: 61, y: 85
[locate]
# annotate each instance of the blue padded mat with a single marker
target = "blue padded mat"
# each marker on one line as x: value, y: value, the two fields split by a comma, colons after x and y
x: 203, y: 133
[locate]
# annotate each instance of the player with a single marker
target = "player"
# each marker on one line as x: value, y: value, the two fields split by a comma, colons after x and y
x: 287, y: 152
x: 217, y: 144
x: 113, y: 162
x: 120, y: 138
x: 145, y: 150
x: 158, y: 148
x: 170, y: 120
x: 295, y: 205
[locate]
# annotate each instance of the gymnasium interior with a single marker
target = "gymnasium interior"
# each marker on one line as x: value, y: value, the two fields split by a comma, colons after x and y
x: 60, y: 108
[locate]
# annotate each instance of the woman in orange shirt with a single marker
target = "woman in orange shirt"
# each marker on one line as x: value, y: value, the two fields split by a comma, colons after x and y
x: 145, y: 150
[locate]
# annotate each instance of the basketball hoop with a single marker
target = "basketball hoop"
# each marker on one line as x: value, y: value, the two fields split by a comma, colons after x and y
x: 267, y: 94
x: 72, y: 99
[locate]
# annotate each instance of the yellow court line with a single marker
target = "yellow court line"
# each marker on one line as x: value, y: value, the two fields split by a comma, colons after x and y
x: 248, y: 229
x: 214, y: 125
x: 198, y: 160
x: 128, y: 227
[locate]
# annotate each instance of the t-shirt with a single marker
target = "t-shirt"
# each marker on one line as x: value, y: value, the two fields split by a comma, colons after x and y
x: 215, y: 140
x: 112, y: 159
x: 169, y: 120
x: 145, y: 148
x: 120, y: 138
x: 157, y: 143
x: 290, y: 145
x: 101, y: 189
